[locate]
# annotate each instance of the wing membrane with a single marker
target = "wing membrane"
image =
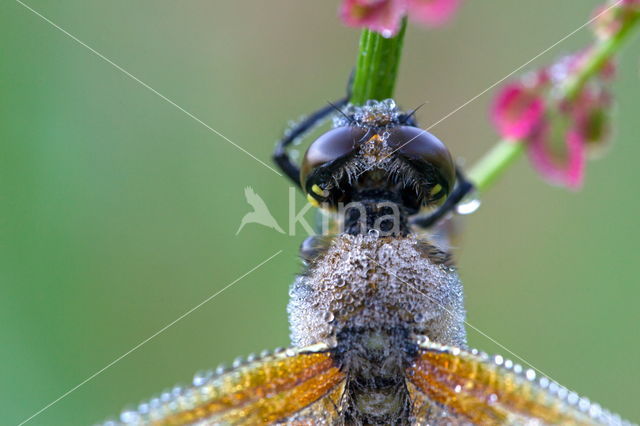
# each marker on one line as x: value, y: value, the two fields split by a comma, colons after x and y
x: 457, y: 386
x: 264, y: 391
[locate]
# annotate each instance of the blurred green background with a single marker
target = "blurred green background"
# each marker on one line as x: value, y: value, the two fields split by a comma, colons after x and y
x: 118, y: 212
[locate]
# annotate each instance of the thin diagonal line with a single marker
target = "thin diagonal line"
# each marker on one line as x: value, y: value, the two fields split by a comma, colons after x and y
x: 163, y: 329
x: 137, y: 80
x: 465, y: 321
x: 471, y: 100
x: 571, y: 34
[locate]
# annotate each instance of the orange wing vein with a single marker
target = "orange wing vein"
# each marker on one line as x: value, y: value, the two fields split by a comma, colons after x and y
x: 457, y: 386
x: 268, y: 390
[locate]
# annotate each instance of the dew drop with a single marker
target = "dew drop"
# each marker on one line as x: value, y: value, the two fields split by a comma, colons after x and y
x: 595, y: 410
x: 389, y: 103
x: 469, y: 204
x: 573, y: 398
x: 155, y: 403
x: 422, y: 339
x: 328, y: 316
x: 584, y: 404
x: 177, y: 391
x: 201, y: 377
x: 374, y: 233
x: 144, y: 408
x: 129, y: 416
x: 237, y: 362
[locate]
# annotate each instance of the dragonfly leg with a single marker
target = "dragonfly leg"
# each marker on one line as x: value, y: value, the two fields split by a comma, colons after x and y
x: 463, y: 187
x: 281, y: 156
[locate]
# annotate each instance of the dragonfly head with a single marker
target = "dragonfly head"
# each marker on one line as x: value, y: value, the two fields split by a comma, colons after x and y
x: 381, y: 158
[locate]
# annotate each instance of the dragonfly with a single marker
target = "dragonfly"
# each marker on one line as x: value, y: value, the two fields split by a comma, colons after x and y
x: 377, y: 317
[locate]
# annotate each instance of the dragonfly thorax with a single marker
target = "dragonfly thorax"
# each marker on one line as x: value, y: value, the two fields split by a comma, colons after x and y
x: 366, y: 282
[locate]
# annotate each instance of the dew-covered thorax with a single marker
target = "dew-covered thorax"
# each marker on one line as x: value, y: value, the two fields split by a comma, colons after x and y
x: 367, y: 282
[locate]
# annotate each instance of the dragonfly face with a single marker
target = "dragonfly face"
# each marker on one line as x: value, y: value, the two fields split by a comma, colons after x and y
x: 373, y: 154
x: 377, y: 316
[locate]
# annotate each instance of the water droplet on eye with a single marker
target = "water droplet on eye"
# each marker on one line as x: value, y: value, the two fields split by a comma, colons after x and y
x: 469, y: 204
x: 374, y: 233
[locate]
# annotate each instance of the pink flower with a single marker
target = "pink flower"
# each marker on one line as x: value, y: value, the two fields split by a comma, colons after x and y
x: 384, y: 16
x: 517, y: 111
x: 558, y: 155
x: 559, y: 132
x: 612, y: 16
x: 432, y: 13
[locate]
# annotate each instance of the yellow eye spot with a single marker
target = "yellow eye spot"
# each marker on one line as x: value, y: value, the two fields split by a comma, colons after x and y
x: 312, y: 201
x: 319, y: 191
x: 436, y: 190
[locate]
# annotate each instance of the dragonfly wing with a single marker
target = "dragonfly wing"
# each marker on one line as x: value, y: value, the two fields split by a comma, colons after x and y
x: 325, y: 411
x: 454, y: 386
x: 263, y: 391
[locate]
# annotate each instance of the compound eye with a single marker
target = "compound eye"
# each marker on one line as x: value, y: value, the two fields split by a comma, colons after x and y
x: 334, y: 144
x: 423, y: 147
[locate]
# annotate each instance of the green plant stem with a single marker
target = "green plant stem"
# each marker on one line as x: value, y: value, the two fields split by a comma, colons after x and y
x: 377, y: 66
x: 605, y: 50
x: 495, y: 162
